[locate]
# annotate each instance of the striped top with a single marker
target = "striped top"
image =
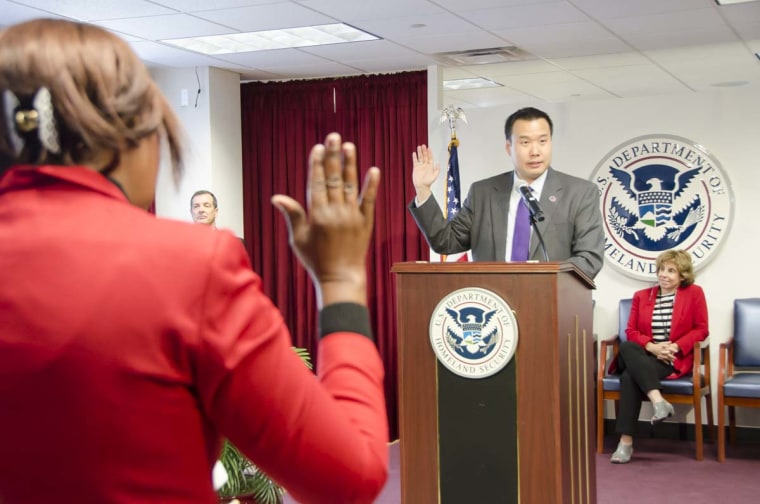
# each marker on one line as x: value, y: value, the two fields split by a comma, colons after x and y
x: 663, y: 313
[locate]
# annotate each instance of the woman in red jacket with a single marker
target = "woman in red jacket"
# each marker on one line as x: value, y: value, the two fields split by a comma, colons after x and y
x: 664, y: 324
x: 130, y: 345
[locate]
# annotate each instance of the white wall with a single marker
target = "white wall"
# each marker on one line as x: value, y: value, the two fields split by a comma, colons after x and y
x: 726, y: 123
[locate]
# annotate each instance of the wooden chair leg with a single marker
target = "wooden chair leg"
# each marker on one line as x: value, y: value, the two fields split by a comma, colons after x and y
x: 732, y: 425
x: 721, y: 431
x: 710, y: 422
x: 698, y: 427
x: 600, y: 424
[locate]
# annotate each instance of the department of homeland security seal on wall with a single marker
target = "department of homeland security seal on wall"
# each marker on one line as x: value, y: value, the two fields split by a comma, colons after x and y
x: 661, y: 192
x: 473, y: 332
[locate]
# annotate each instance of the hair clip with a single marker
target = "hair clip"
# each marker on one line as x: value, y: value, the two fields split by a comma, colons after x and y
x: 10, y: 105
x: 23, y: 120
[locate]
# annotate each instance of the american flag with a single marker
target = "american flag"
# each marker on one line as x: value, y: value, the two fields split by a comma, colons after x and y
x: 453, y: 191
x: 453, y: 195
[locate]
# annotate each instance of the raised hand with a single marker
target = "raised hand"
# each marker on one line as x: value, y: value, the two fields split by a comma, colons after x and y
x: 424, y: 171
x: 332, y: 240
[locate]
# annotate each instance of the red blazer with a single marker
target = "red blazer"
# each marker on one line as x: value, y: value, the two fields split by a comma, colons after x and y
x: 130, y: 345
x: 688, y: 325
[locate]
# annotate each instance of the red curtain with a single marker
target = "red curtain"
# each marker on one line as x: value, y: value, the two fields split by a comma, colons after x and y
x: 386, y: 117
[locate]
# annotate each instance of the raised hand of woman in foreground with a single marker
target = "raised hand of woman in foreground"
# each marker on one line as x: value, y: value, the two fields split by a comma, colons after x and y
x: 332, y: 239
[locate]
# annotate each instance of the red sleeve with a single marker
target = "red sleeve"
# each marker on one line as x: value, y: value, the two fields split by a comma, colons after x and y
x: 323, y: 438
x: 693, y: 328
x: 636, y: 325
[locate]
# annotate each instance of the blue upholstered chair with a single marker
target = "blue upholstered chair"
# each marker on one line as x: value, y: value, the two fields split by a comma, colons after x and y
x: 689, y: 389
x: 739, y: 369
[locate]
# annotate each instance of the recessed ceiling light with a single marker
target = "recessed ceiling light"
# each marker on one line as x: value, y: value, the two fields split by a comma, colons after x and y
x: 729, y: 2
x: 419, y: 25
x: 304, y: 36
x: 475, y: 83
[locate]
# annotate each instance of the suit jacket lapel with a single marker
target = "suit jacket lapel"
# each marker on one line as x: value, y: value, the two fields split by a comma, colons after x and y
x: 502, y: 190
x: 552, y: 191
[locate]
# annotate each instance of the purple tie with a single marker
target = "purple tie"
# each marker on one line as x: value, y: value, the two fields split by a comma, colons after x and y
x: 521, y: 238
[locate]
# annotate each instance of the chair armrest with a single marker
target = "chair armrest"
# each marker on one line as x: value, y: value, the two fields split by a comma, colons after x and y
x: 614, y: 345
x: 701, y: 354
x: 725, y: 361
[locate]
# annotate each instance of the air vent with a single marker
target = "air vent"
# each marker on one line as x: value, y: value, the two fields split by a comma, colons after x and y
x: 484, y: 56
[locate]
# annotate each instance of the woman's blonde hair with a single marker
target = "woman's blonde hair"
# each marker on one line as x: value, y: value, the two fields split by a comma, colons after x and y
x: 103, y: 97
x: 683, y: 263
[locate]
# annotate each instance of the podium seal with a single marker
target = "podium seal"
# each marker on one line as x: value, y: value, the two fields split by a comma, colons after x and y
x: 473, y: 332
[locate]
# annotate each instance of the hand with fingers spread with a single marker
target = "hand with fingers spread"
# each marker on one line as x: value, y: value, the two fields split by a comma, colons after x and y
x: 424, y: 172
x: 332, y: 240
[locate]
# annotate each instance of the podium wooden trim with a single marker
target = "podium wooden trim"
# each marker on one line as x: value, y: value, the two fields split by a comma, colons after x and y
x: 554, y: 367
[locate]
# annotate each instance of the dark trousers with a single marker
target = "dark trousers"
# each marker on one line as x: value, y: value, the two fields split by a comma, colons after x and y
x: 642, y: 372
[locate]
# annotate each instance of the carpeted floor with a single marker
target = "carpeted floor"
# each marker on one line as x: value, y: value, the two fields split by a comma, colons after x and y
x: 661, y: 471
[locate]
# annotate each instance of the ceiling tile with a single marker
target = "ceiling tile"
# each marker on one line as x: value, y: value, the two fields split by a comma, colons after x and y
x: 571, y: 39
x: 165, y: 27
x: 405, y: 27
x: 275, y: 58
x: 266, y: 17
x: 499, y: 70
x: 362, y: 10
x: 633, y: 79
x: 84, y: 10
x: 704, y: 66
x: 13, y: 13
x: 361, y: 50
x: 530, y: 15
x: 205, y: 5
x: 601, y: 61
x: 611, y: 9
x: 432, y: 44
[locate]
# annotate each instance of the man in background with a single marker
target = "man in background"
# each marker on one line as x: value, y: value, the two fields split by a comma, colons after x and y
x: 203, y: 207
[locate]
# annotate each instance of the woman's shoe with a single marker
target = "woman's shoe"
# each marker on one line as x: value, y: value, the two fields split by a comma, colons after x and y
x: 662, y: 410
x: 622, y: 454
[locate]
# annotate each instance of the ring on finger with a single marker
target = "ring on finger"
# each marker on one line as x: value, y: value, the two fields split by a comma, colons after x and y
x: 333, y: 183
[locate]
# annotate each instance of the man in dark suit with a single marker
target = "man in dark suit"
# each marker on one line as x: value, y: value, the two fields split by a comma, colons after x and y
x: 572, y: 228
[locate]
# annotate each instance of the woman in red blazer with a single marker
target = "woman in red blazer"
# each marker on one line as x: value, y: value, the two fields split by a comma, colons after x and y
x: 131, y: 345
x: 664, y: 324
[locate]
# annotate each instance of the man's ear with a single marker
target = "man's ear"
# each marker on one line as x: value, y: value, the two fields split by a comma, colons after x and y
x: 508, y: 147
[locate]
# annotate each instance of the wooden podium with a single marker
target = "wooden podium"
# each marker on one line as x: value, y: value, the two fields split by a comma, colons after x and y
x: 524, y: 434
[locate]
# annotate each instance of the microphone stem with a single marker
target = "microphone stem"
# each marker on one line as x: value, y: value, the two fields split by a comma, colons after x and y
x: 540, y: 237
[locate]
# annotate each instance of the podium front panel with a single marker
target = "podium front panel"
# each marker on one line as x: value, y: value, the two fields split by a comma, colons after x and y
x: 520, y: 435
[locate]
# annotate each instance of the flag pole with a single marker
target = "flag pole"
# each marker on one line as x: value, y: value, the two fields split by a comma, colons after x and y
x: 451, y: 114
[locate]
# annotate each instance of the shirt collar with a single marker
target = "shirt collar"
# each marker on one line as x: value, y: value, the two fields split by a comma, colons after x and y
x: 26, y: 176
x: 537, y: 186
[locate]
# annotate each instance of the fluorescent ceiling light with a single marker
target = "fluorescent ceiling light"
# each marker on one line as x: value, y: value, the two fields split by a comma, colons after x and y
x: 303, y: 36
x: 729, y: 2
x: 475, y: 83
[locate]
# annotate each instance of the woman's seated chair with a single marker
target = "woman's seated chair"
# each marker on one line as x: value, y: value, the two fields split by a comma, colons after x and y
x: 688, y: 389
x: 739, y: 369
